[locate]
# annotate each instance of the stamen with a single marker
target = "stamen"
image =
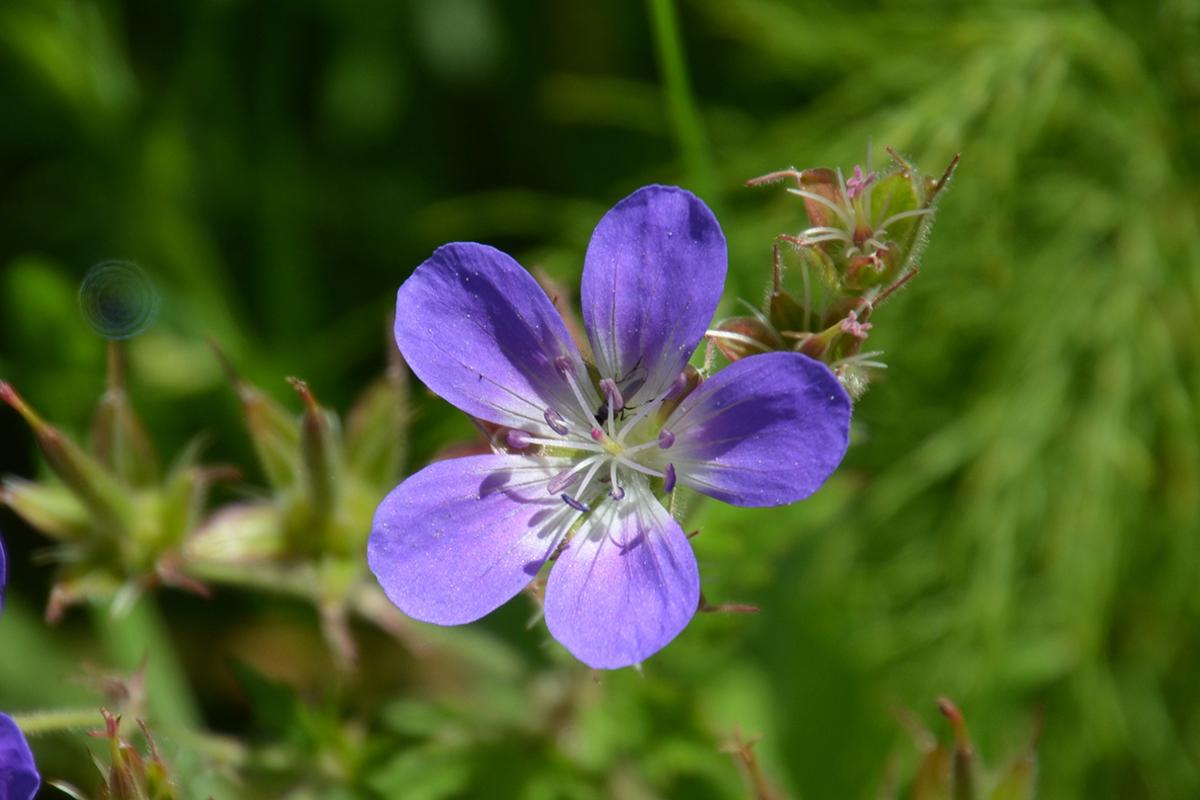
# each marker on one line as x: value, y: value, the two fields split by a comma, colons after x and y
x: 665, y: 439
x: 597, y: 435
x: 565, y: 478
x: 561, y: 481
x: 612, y: 394
x: 669, y: 479
x: 916, y: 212
x: 678, y: 385
x: 588, y: 478
x: 575, y: 504
x: 641, y: 414
x: 569, y: 444
x: 556, y: 422
x: 617, y: 492
x: 517, y: 439
x: 565, y: 366
x: 635, y: 466
x: 825, y: 202
x: 859, y: 182
x: 819, y: 229
x: 825, y: 237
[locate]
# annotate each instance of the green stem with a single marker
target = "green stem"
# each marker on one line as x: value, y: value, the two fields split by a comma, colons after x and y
x: 35, y: 723
x: 681, y: 105
x: 140, y: 637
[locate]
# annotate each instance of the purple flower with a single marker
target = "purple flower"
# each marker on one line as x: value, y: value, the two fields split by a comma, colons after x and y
x: 19, y: 779
x: 592, y: 445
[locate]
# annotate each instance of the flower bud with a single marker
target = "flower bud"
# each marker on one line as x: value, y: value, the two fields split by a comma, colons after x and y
x: 49, y: 507
x: 319, y: 451
x: 97, y: 490
x: 274, y: 431
x: 376, y: 430
x: 738, y: 337
x: 119, y: 440
x: 242, y: 533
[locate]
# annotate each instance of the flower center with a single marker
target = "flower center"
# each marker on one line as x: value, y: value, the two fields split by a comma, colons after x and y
x: 607, y: 438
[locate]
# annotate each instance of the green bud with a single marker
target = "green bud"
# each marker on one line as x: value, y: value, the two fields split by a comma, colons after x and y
x: 1018, y: 781
x: 274, y: 431
x: 376, y: 431
x: 955, y: 772
x: 319, y: 452
x: 50, y: 508
x: 934, y: 776
x: 861, y: 245
x: 243, y: 533
x: 181, y: 499
x: 119, y: 440
x: 964, y: 753
x: 82, y: 474
x: 738, y: 337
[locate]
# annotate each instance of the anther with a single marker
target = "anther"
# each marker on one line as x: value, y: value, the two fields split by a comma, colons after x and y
x: 858, y: 182
x: 555, y: 421
x: 665, y: 439
x: 669, y: 479
x: 565, y: 366
x: 575, y: 504
x: 617, y: 493
x: 678, y: 385
x: 612, y: 394
x: 597, y: 435
x: 561, y: 481
x: 517, y: 439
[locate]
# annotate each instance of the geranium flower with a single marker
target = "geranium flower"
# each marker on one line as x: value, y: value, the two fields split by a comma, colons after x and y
x: 19, y: 779
x: 589, y: 445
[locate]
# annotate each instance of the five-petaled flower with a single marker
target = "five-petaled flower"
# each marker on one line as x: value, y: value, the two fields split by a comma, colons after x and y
x: 590, y: 444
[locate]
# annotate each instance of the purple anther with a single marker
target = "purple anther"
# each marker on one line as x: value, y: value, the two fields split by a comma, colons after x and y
x: 858, y: 182
x: 597, y: 435
x: 517, y: 439
x: 555, y: 421
x: 665, y: 439
x: 561, y: 481
x: 617, y: 493
x: 677, y: 386
x: 575, y: 504
x: 612, y: 394
x: 852, y: 326
x: 565, y: 366
x: 669, y: 479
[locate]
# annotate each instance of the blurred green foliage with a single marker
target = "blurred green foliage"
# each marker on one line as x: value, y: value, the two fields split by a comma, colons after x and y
x: 1016, y: 526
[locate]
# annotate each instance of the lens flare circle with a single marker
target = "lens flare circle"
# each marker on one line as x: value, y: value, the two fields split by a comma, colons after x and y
x: 118, y: 300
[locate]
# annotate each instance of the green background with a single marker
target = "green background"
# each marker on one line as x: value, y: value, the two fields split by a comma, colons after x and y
x: 1015, y: 526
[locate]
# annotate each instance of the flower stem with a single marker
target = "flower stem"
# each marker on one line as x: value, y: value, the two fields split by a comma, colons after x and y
x: 35, y: 723
x: 681, y: 104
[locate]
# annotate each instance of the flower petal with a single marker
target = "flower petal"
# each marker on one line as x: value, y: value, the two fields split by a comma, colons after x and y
x: 481, y: 333
x: 461, y: 537
x: 767, y: 430
x: 626, y: 585
x: 19, y: 779
x: 651, y: 282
